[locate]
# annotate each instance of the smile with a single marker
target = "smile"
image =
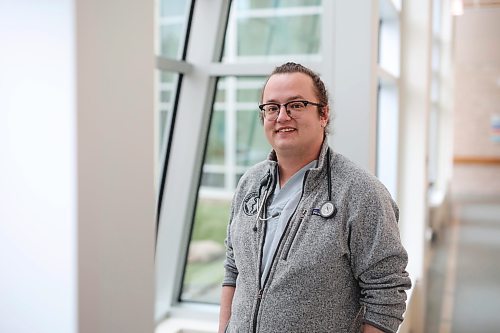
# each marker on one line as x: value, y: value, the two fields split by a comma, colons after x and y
x: 283, y: 130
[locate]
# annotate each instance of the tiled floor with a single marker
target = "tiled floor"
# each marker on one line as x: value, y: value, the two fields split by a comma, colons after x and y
x: 463, y: 291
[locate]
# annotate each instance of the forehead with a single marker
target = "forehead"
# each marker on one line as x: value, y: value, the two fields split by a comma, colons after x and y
x: 284, y: 86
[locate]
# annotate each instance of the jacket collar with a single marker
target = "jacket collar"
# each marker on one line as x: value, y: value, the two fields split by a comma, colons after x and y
x: 272, y: 158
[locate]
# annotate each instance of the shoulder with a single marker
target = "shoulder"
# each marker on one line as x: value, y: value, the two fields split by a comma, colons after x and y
x: 252, y: 178
x: 255, y: 173
x: 361, y: 189
x: 344, y: 168
x: 353, y: 178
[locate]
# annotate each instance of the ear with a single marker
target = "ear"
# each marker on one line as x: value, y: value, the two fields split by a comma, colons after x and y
x: 325, y: 116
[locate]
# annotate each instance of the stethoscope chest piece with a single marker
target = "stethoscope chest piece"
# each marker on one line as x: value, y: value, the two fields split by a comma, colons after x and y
x: 327, y: 209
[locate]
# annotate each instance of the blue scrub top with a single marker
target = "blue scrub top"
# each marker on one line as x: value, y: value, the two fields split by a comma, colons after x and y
x: 284, y: 202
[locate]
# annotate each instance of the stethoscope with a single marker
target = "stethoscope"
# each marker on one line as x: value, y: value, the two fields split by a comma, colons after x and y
x: 326, y: 210
x: 265, y: 182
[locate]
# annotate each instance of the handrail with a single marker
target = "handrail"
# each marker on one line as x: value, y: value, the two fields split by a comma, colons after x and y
x: 484, y: 160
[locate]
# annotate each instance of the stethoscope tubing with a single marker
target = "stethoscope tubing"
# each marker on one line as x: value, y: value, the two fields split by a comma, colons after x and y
x: 327, y: 208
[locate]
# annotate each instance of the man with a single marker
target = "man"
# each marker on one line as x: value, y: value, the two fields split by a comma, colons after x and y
x: 313, y: 243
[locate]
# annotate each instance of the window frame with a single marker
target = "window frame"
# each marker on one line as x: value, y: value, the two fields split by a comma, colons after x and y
x: 180, y: 67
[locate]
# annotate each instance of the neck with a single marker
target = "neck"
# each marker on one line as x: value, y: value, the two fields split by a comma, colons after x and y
x: 289, y: 164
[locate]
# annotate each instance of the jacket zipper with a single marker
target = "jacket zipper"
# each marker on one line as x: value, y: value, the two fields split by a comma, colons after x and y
x: 261, y: 288
x: 257, y: 306
x: 287, y: 249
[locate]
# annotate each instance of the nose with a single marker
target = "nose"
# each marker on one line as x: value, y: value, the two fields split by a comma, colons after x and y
x: 283, y: 114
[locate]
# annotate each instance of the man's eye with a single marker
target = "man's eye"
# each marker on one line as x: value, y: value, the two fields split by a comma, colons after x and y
x: 296, y: 105
x: 272, y: 108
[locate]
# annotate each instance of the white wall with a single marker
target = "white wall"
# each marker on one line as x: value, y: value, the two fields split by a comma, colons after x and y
x: 37, y: 167
x: 77, y: 201
x: 413, y: 184
x: 354, y: 85
x: 415, y: 103
x: 116, y: 197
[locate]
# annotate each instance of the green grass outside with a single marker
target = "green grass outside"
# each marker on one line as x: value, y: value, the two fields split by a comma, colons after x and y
x: 211, y: 219
x: 203, y: 276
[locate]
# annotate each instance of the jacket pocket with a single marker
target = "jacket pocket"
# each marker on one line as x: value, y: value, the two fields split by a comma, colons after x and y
x: 287, y: 248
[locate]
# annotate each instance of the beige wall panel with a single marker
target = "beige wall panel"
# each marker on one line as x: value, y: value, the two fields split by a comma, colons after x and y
x: 477, y: 99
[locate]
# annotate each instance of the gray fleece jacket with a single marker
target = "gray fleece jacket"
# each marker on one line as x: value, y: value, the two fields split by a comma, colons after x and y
x: 328, y: 274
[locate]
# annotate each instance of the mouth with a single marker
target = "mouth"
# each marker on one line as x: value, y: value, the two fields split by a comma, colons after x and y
x: 285, y: 130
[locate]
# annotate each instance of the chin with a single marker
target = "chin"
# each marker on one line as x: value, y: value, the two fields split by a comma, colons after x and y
x: 284, y: 147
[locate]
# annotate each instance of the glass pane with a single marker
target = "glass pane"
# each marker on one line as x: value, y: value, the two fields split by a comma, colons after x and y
x: 435, y: 87
x: 273, y: 31
x: 433, y: 145
x: 235, y: 142
x: 388, y: 137
x: 389, y: 46
x: 436, y: 17
x: 273, y: 4
x: 166, y: 88
x: 204, y: 270
x: 252, y: 146
x: 172, y: 27
x: 436, y: 55
x: 216, y: 143
x: 212, y: 179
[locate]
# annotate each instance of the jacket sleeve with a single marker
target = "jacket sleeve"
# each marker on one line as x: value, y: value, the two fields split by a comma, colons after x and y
x: 378, y: 258
x: 231, y: 271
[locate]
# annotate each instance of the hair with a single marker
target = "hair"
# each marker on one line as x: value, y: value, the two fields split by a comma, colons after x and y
x: 319, y: 86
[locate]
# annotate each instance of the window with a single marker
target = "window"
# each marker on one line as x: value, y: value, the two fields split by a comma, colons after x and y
x: 235, y: 142
x: 216, y: 89
x: 257, y: 32
x: 388, y: 95
x: 273, y: 31
x: 435, y: 113
x: 172, y: 29
x: 388, y: 136
x: 166, y: 92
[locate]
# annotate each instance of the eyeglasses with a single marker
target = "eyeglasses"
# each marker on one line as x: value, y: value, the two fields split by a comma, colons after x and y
x: 293, y: 109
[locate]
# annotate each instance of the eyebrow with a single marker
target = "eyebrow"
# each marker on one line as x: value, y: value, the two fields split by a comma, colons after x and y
x: 289, y: 99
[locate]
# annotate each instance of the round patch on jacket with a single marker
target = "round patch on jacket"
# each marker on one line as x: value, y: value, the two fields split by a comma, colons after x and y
x: 250, y: 203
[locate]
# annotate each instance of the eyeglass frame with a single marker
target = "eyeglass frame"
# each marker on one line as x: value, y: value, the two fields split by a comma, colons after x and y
x: 288, y: 112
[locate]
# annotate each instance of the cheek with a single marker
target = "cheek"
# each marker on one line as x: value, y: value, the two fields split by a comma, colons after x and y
x: 268, y: 128
x: 313, y: 129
